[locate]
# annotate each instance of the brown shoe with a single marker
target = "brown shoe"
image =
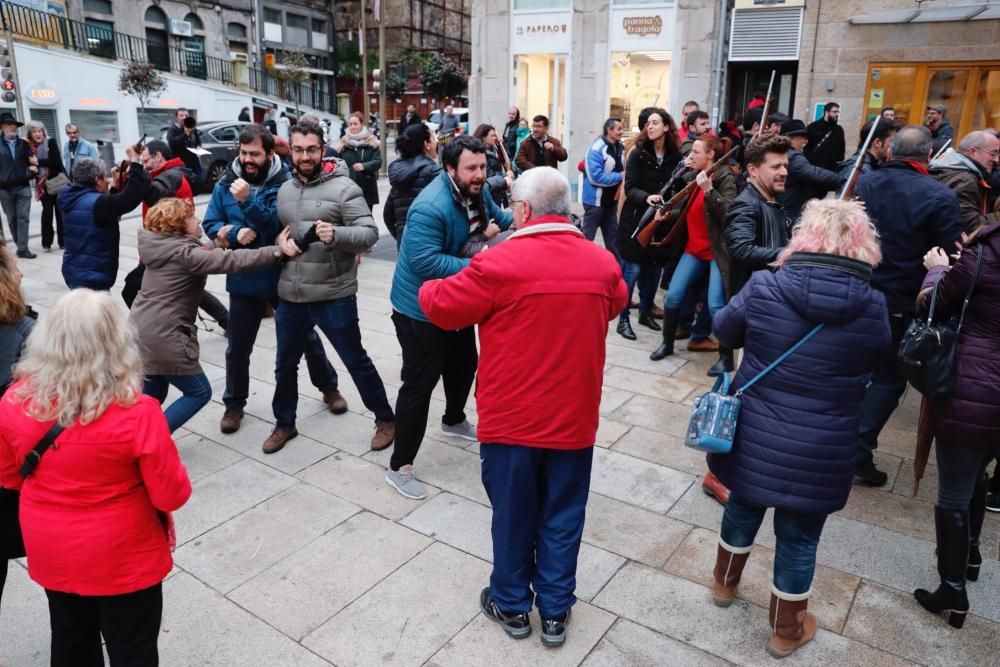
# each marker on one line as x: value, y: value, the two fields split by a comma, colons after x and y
x: 385, y: 433
x: 230, y: 422
x: 656, y: 312
x: 276, y: 441
x: 714, y: 487
x: 704, y: 345
x: 729, y: 564
x: 682, y: 333
x: 791, y: 624
x: 335, y: 401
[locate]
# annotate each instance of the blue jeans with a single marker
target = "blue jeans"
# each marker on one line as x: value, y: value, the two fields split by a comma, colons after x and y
x: 196, y: 393
x: 539, y: 499
x: 338, y: 320
x: 797, y: 537
x: 245, y: 315
x: 689, y: 272
x: 647, y: 277
x: 882, y: 395
x: 700, y: 322
x: 604, y: 218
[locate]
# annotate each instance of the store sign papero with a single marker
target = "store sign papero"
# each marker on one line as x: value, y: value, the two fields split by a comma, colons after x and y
x: 640, y: 26
x: 540, y: 29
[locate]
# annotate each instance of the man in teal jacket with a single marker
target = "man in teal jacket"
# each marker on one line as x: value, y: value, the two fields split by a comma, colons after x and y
x: 438, y: 224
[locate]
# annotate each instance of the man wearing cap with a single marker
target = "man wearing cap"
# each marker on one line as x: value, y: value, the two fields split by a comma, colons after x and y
x: 805, y: 180
x: 940, y: 127
x: 17, y: 167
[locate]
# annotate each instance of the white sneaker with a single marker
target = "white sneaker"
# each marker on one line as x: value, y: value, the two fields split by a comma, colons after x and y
x: 461, y: 430
x: 405, y: 483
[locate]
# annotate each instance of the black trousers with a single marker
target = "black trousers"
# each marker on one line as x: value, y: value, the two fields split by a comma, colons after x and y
x: 130, y: 624
x: 50, y: 209
x: 430, y: 354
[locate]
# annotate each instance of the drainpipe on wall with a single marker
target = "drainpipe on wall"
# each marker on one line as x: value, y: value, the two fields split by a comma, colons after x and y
x: 720, y: 50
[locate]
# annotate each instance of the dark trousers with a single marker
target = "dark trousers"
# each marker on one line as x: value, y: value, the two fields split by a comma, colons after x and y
x: 646, y: 276
x: 961, y: 468
x: 245, y: 315
x: 604, y: 218
x: 130, y: 624
x: 539, y: 499
x: 338, y: 320
x: 16, y: 204
x: 430, y: 354
x: 883, y: 393
x: 49, y: 209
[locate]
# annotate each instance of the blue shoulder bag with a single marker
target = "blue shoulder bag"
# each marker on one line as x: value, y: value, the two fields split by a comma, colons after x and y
x: 713, y: 419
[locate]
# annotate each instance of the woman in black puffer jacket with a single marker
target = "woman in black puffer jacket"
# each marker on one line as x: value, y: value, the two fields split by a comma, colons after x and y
x: 416, y: 167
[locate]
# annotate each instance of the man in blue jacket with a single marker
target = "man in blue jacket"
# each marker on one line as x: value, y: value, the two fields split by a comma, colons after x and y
x: 438, y: 224
x: 76, y: 148
x: 604, y: 169
x: 243, y: 214
x: 913, y: 213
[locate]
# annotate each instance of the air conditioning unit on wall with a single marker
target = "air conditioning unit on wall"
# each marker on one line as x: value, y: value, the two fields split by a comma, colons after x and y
x: 181, y: 28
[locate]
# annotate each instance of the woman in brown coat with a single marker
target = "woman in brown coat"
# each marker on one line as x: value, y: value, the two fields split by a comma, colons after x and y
x: 164, y: 312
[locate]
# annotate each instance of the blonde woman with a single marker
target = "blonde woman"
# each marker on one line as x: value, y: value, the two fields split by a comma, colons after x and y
x: 93, y: 509
x: 360, y: 149
x: 794, y: 447
x: 165, y: 309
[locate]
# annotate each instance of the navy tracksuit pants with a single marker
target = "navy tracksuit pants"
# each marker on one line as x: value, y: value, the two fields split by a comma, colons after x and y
x: 539, y: 499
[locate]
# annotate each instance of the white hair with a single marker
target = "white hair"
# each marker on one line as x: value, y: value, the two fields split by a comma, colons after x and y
x: 977, y: 139
x: 81, y: 358
x: 545, y: 189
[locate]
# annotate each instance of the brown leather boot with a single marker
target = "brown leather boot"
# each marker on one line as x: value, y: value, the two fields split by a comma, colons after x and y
x: 713, y: 486
x: 277, y: 440
x: 385, y: 433
x: 729, y: 564
x: 230, y: 422
x: 792, y: 626
x: 335, y: 401
x: 703, y: 345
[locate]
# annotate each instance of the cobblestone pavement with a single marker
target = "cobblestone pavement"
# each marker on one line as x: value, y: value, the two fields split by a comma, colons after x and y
x: 306, y: 557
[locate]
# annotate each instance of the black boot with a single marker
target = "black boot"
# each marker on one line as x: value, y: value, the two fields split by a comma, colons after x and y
x: 666, y: 348
x: 647, y: 320
x: 625, y: 327
x: 725, y: 364
x: 952, y: 529
x: 977, y: 514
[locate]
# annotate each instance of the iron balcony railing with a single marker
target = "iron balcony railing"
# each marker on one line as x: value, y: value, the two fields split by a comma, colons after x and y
x: 44, y: 28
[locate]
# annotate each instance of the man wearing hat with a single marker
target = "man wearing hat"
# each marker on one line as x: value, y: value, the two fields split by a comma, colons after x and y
x: 805, y: 180
x: 940, y: 127
x: 17, y: 167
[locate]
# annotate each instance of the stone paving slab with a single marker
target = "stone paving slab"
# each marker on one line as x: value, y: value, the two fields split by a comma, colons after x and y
x: 629, y: 644
x: 638, y: 482
x: 637, y: 534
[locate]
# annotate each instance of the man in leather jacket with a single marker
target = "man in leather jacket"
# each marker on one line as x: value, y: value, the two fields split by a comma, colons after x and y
x: 756, y: 225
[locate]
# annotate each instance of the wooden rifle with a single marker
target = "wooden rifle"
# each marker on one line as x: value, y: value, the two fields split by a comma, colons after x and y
x: 676, y: 207
x: 123, y: 167
x: 942, y: 151
x: 852, y: 179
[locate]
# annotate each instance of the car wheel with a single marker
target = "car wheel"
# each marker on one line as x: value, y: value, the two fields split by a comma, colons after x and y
x: 214, y: 174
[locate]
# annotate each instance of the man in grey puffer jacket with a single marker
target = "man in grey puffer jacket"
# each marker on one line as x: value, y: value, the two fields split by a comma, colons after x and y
x: 331, y: 224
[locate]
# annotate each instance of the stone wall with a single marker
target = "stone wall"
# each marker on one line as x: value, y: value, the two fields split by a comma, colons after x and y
x: 693, y: 57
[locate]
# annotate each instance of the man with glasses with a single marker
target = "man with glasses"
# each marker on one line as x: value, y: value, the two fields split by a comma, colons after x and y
x: 332, y: 224
x: 76, y: 148
x: 967, y: 173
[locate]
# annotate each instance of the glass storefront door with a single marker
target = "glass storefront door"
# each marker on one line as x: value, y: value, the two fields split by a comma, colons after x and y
x: 541, y: 88
x: 638, y: 80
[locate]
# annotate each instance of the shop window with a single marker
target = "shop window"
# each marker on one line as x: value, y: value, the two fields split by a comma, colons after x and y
x: 47, y: 117
x: 97, y: 6
x: 987, y: 105
x: 541, y: 88
x: 947, y: 87
x: 893, y: 86
x: 155, y: 16
x: 154, y: 122
x: 541, y: 4
x: 297, y: 33
x: 96, y: 125
x: 638, y: 80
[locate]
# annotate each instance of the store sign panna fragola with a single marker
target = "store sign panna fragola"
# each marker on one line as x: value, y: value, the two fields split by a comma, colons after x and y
x: 641, y: 26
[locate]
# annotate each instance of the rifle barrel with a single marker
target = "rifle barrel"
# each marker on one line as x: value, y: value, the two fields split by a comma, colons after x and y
x: 849, y: 185
x: 767, y: 102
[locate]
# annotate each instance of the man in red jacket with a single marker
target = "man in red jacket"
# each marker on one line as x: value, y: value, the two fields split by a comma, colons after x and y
x: 538, y: 408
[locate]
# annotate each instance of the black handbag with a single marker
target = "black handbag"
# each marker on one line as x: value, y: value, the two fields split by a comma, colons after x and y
x: 11, y: 541
x: 927, y: 350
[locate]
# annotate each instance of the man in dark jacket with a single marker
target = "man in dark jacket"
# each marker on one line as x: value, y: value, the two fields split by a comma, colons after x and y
x: 940, y: 127
x: 967, y: 173
x: 411, y: 117
x: 539, y: 149
x: 826, y: 139
x: 805, y: 180
x: 510, y: 130
x: 18, y: 166
x: 182, y: 136
x: 90, y: 218
x: 913, y: 213
x: 251, y: 184
x: 756, y: 225
x: 875, y: 156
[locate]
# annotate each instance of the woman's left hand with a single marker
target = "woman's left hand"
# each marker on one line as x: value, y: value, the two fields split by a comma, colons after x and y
x: 358, y: 166
x: 935, y: 257
x: 703, y: 181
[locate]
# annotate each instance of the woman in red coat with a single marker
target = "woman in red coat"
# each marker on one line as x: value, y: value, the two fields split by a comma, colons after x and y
x: 93, y: 511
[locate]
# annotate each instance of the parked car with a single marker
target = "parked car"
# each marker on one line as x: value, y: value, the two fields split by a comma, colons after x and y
x: 221, y: 140
x: 434, y: 120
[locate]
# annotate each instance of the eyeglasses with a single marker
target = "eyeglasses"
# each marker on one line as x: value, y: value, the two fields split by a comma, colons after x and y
x: 312, y: 150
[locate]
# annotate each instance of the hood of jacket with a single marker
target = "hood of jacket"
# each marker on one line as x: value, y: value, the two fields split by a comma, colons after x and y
x: 825, y: 288
x: 70, y: 195
x: 403, y: 173
x: 156, y: 249
x: 331, y: 168
x: 956, y: 160
x: 274, y: 173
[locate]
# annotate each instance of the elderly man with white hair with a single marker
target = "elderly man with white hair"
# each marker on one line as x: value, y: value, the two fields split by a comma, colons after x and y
x: 543, y: 291
x: 967, y: 173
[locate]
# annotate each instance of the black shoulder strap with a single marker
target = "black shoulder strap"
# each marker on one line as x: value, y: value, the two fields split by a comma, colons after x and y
x: 35, y: 455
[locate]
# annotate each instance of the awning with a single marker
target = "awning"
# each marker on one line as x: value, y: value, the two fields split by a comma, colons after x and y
x: 979, y: 11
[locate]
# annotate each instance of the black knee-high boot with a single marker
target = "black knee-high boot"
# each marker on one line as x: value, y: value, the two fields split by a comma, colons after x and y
x: 952, y: 529
x: 977, y: 514
x: 725, y: 364
x: 666, y: 348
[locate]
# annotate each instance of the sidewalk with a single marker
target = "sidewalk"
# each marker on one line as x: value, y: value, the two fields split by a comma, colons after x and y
x: 307, y: 557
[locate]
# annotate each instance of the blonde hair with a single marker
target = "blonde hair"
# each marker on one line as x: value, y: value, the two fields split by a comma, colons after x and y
x: 81, y: 358
x: 33, y: 125
x: 169, y: 216
x: 12, y: 306
x: 835, y: 227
